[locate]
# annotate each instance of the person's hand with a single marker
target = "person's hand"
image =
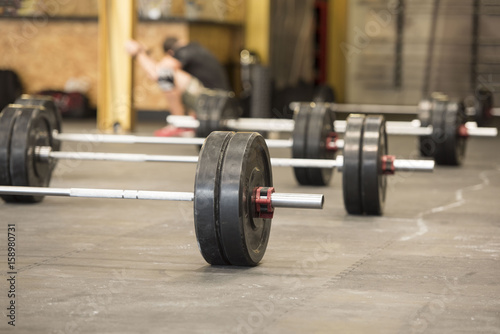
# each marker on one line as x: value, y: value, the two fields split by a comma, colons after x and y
x: 133, y: 47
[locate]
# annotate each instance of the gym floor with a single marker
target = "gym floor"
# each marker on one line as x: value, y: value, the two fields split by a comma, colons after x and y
x: 429, y: 265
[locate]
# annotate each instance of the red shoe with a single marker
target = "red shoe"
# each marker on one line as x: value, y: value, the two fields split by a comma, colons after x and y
x: 171, y: 131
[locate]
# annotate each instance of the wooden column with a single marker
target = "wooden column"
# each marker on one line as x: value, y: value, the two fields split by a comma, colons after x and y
x: 257, y: 28
x: 117, y: 21
x: 337, y: 34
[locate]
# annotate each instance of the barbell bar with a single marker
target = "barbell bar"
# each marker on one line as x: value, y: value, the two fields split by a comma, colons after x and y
x: 314, y: 138
x: 48, y: 103
x: 283, y: 200
x: 478, y: 106
x: 414, y: 127
x: 442, y: 128
x: 132, y: 139
x: 45, y: 153
x: 392, y: 109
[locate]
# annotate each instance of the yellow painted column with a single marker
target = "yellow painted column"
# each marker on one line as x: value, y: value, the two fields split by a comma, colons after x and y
x: 337, y: 34
x: 257, y: 28
x: 117, y: 21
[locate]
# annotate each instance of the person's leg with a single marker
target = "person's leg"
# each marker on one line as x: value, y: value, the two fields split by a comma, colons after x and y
x: 190, y: 96
x: 174, y: 98
x: 175, y: 95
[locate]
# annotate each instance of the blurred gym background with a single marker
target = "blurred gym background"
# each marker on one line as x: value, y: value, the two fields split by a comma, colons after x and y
x: 366, y: 51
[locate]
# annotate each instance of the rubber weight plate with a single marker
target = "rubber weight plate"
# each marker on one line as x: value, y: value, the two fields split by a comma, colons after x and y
x: 351, y: 170
x: 373, y: 181
x: 425, y: 118
x: 214, y: 108
x: 450, y: 148
x: 428, y: 144
x: 32, y: 129
x: 299, y: 137
x: 483, y: 106
x: 7, y: 120
x: 207, y: 195
x: 202, y: 114
x: 50, y: 107
x: 228, y: 108
x: 319, y: 129
x: 246, y: 167
x: 324, y: 93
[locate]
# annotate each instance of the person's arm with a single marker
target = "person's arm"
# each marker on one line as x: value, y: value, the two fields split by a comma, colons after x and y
x: 149, y: 65
x: 170, y: 62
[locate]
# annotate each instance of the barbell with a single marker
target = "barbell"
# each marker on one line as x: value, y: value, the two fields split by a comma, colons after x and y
x: 234, y: 198
x: 313, y: 139
x: 28, y: 154
x: 47, y: 102
x: 444, y: 140
x: 478, y: 107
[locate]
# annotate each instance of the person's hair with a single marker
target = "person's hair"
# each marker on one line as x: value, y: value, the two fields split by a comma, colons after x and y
x: 169, y: 44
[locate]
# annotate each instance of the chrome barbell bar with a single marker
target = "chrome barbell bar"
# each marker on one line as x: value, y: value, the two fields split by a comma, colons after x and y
x: 287, y: 125
x: 284, y: 200
x: 45, y: 153
x: 131, y: 139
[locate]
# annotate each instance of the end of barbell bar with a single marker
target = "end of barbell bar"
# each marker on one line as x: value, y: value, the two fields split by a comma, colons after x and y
x: 43, y: 153
x: 475, y: 131
x: 414, y: 165
x: 298, y: 201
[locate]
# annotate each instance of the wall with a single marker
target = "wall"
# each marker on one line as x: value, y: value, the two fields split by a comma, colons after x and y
x: 48, y: 54
x: 336, y: 66
x: 371, y: 50
x: 257, y: 28
x: 47, y: 51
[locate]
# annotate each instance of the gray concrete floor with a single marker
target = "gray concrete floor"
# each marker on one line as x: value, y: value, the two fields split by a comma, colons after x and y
x: 430, y: 265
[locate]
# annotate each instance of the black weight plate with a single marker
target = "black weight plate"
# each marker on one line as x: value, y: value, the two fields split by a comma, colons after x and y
x: 50, y: 107
x: 351, y: 170
x: 450, y: 147
x: 261, y: 96
x: 319, y: 128
x: 7, y: 120
x: 324, y: 93
x: 425, y: 118
x: 32, y: 129
x: 246, y: 167
x: 204, y: 105
x: 483, y: 106
x: 428, y: 144
x: 214, y: 108
x: 206, y: 197
x: 373, y: 181
x: 229, y: 109
x: 299, y: 137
